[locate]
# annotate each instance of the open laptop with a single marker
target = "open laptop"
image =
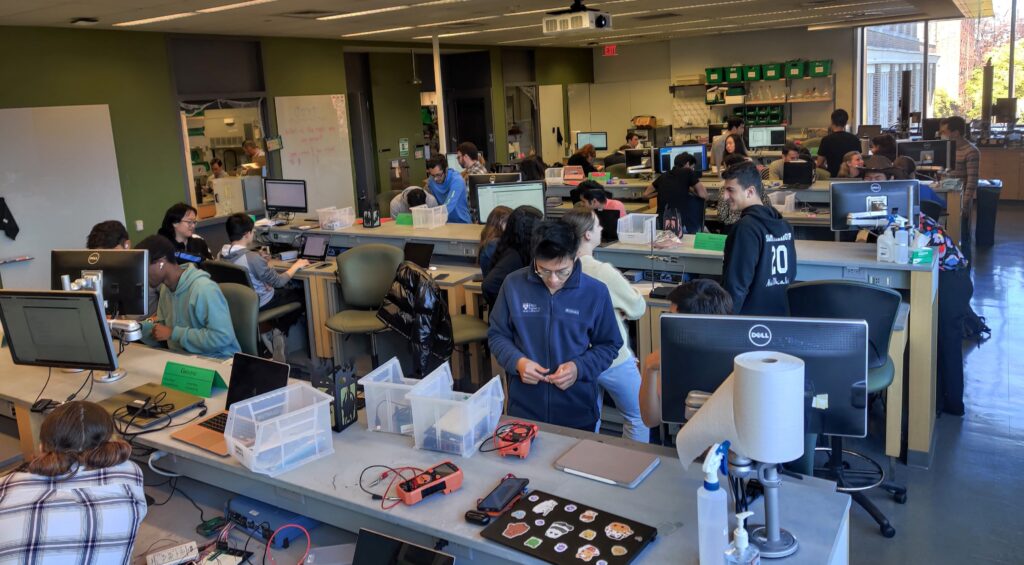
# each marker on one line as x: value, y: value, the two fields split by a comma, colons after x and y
x: 250, y: 376
x: 419, y: 253
x: 373, y: 548
x: 315, y: 247
x: 609, y: 220
x: 798, y: 174
x: 124, y: 407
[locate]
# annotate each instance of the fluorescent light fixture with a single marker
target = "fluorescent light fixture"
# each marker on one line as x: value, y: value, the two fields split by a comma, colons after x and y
x: 541, y: 38
x: 376, y: 31
x: 389, y: 9
x: 234, y: 6
x: 156, y: 19
x: 453, y: 22
x: 476, y: 31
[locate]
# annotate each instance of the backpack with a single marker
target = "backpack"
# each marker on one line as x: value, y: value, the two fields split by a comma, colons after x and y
x: 973, y: 327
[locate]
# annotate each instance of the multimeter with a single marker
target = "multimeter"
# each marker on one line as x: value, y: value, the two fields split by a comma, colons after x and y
x: 514, y: 438
x: 445, y: 478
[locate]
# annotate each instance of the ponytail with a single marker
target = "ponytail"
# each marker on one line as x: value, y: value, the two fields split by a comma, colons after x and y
x: 106, y: 454
x: 52, y: 463
x: 75, y: 434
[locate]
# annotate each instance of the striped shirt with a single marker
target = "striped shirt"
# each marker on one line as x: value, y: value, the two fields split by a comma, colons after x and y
x: 968, y: 160
x: 83, y: 518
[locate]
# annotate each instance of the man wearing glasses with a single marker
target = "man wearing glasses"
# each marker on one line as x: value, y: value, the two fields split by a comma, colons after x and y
x: 449, y: 189
x: 553, y: 329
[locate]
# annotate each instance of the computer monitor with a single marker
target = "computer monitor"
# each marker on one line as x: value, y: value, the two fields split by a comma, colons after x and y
x: 882, y: 197
x: 512, y: 195
x: 766, y: 136
x: 930, y: 128
x: 640, y: 158
x: 125, y: 274
x: 609, y: 220
x: 473, y: 181
x: 798, y: 173
x: 419, y: 253
x: 373, y: 548
x: 453, y: 162
x: 936, y: 153
x: 284, y: 195
x: 697, y: 353
x: 667, y: 156
x: 599, y: 139
x: 51, y: 328
x: 868, y: 131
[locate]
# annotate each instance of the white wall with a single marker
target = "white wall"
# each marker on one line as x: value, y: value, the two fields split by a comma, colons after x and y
x: 639, y: 61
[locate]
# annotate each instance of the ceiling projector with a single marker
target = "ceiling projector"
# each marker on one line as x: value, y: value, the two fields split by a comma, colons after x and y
x: 576, y: 18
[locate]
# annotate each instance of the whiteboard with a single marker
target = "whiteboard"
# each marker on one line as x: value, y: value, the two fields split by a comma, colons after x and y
x: 316, y: 147
x: 58, y: 173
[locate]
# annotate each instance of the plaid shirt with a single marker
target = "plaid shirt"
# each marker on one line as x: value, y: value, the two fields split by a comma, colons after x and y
x: 477, y: 168
x: 87, y: 518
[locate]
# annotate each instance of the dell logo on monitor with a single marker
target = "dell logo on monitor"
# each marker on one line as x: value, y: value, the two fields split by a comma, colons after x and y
x: 93, y: 258
x: 760, y: 335
x: 875, y: 187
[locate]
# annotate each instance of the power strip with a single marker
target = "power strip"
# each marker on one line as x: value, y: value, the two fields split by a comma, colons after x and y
x: 173, y: 556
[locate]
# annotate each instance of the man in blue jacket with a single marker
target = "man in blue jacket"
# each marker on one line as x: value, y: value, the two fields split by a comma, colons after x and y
x: 449, y: 189
x: 553, y: 329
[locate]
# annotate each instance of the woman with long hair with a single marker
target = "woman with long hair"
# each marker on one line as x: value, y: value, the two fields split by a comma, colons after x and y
x: 585, y: 158
x: 852, y: 166
x: 490, y: 235
x: 734, y: 146
x: 513, y: 250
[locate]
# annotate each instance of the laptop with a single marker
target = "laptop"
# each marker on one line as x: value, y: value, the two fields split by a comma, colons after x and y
x: 419, y: 253
x: 798, y: 174
x: 373, y: 548
x: 250, y: 376
x: 607, y: 464
x: 315, y: 247
x: 121, y: 406
x: 609, y: 220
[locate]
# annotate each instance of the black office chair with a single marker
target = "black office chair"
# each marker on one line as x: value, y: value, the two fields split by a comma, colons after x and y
x: 878, y: 306
x: 933, y: 210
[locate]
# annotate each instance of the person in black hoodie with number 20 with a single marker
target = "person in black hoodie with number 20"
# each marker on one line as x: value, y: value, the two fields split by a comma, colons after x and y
x: 760, y: 258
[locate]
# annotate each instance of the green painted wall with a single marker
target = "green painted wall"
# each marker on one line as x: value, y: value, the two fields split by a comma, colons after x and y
x: 129, y: 72
x: 396, y: 114
x: 498, y: 108
x: 563, y: 65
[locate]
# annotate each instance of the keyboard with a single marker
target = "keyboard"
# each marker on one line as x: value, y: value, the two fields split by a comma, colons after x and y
x: 217, y: 423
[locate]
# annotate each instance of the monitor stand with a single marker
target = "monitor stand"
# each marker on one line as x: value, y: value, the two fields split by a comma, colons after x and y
x: 112, y: 376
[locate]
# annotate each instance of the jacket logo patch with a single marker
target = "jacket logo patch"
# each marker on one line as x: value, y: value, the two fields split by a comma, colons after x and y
x: 571, y: 311
x: 530, y: 308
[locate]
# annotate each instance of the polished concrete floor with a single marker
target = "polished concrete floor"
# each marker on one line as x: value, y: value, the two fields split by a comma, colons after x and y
x: 966, y: 508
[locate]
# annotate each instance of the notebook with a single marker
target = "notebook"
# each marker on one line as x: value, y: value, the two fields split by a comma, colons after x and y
x: 608, y: 464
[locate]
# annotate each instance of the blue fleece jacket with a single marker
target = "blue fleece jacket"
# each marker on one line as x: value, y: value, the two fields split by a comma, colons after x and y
x: 198, y: 315
x: 577, y: 323
x: 452, y: 193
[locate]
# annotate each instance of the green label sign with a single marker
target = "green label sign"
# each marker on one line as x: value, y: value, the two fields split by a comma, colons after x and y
x: 193, y: 380
x: 403, y: 147
x: 709, y: 241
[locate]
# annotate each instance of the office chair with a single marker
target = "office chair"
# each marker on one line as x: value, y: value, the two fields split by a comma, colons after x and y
x: 226, y: 272
x: 619, y: 170
x: 467, y: 330
x: 933, y: 210
x: 879, y: 307
x: 244, y: 306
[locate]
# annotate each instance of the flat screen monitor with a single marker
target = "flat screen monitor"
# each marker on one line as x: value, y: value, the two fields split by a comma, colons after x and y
x: 599, y: 139
x: 473, y: 181
x: 928, y: 153
x: 373, y: 548
x: 697, y: 353
x: 640, y: 158
x: 798, y: 173
x: 51, y: 328
x: 609, y: 220
x: 667, y: 156
x: 512, y: 195
x: 453, y: 162
x: 419, y: 253
x: 125, y: 275
x: 284, y: 195
x: 866, y: 196
x: 766, y: 136
x: 868, y: 131
x: 930, y: 128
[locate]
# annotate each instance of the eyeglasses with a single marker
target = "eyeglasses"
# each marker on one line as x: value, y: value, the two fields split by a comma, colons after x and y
x: 560, y: 274
x: 189, y: 222
x: 439, y: 176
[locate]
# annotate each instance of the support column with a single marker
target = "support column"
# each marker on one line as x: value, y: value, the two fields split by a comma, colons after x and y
x: 442, y: 130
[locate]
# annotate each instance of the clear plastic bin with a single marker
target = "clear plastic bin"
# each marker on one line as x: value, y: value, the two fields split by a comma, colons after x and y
x: 553, y: 174
x: 424, y: 217
x: 280, y: 430
x: 637, y: 228
x: 455, y: 422
x: 336, y: 218
x: 385, y: 389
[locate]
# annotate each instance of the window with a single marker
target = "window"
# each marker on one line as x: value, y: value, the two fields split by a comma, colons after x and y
x: 891, y: 50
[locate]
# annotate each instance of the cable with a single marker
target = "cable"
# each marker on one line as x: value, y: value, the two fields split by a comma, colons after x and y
x: 502, y: 429
x: 309, y: 543
x: 395, y: 473
x: 156, y: 455
x: 88, y: 379
x: 49, y: 371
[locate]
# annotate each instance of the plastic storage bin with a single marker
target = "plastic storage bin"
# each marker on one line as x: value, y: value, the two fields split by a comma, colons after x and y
x: 336, y: 218
x: 637, y: 228
x: 388, y: 408
x: 795, y: 69
x: 819, y: 68
x: 280, y: 430
x: 429, y: 218
x: 553, y: 174
x: 455, y: 422
x: 714, y: 75
x: 734, y: 73
x: 771, y: 71
x: 751, y: 72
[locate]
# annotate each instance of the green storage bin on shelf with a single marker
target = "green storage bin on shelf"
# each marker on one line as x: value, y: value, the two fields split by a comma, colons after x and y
x: 795, y: 69
x: 771, y: 71
x: 734, y: 74
x: 762, y: 111
x: 714, y: 75
x: 736, y: 91
x: 819, y: 68
x: 751, y: 72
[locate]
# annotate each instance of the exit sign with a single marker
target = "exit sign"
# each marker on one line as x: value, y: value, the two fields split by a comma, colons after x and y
x: 611, y: 50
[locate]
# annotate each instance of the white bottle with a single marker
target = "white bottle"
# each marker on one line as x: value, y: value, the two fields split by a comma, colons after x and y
x: 902, y: 246
x: 741, y: 552
x: 712, y: 509
x: 886, y: 250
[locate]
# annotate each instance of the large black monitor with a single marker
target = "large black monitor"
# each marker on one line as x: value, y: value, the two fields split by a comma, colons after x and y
x: 284, y: 195
x: 935, y: 153
x: 599, y: 139
x: 640, y: 158
x: 474, y: 181
x: 697, y: 353
x: 868, y: 131
x: 57, y: 329
x: 125, y: 274
x: 667, y: 156
x: 882, y: 197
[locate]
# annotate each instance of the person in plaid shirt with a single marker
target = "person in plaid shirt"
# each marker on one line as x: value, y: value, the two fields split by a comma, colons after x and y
x: 79, y: 501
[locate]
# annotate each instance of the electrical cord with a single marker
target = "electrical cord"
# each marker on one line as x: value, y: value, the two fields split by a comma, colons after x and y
x: 49, y: 372
x: 309, y: 543
x: 394, y: 473
x: 501, y: 430
x: 88, y: 379
x: 156, y: 455
x: 176, y: 488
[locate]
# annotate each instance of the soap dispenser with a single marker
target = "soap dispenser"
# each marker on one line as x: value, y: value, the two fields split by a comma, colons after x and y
x: 741, y: 552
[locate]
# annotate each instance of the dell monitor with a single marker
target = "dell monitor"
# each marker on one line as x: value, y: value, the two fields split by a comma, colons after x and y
x: 59, y: 329
x: 697, y: 353
x: 880, y: 198
x: 761, y: 137
x: 473, y: 181
x: 284, y: 195
x: 867, y: 131
x: 935, y: 154
x: 125, y: 274
x: 488, y: 196
x: 667, y: 156
x: 599, y: 139
x: 640, y: 160
x: 453, y: 162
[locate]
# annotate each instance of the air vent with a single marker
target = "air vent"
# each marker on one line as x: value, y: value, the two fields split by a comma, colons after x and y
x: 666, y: 16
x: 307, y: 14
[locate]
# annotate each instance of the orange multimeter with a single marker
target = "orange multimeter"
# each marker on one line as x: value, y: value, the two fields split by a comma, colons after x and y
x: 445, y: 478
x: 514, y: 438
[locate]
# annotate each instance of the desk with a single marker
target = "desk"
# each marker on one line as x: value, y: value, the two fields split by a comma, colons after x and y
x: 327, y: 490
x: 450, y: 240
x: 626, y: 189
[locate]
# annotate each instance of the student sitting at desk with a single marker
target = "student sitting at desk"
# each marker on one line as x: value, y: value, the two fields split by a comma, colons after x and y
x: 852, y: 166
x: 819, y: 172
x: 513, y: 250
x: 449, y: 189
x: 110, y: 234
x: 585, y: 158
x: 179, y: 227
x: 727, y: 215
x: 411, y: 196
x: 553, y: 330
x: 79, y: 500
x: 597, y: 198
x: 885, y: 146
x: 680, y: 191
x: 192, y: 315
x: 617, y: 158
x: 489, y: 237
x: 790, y: 153
x: 734, y: 126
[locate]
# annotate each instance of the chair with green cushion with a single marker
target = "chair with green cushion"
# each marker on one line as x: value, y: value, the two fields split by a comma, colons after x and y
x: 364, y: 276
x: 879, y: 306
x: 227, y: 272
x: 466, y: 330
x: 619, y: 170
x: 244, y: 306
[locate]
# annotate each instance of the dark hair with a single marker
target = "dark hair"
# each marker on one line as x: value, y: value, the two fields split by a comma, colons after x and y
x: 107, y: 235
x: 581, y: 220
x: 701, y: 296
x: 597, y: 194
x: 553, y: 239
x: 494, y: 226
x: 684, y: 159
x: 238, y: 225
x: 906, y: 166
x: 437, y: 161
x: 840, y: 117
x: 734, y: 159
x: 886, y: 145
x: 518, y: 232
x: 416, y: 197
x: 790, y: 146
x: 955, y: 123
x: 468, y: 148
x: 746, y: 174
x: 77, y: 432
x: 737, y: 141
x: 159, y: 247
x: 532, y: 168
x: 629, y: 136
x: 216, y: 162
x: 172, y: 216
x: 733, y: 123
x: 248, y: 143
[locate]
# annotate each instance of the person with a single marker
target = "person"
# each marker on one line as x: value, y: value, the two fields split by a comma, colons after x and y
x: 412, y: 196
x: 80, y: 499
x: 468, y: 157
x: 448, y: 188
x: 533, y: 168
x: 512, y: 251
x: 489, y: 236
x: 734, y: 146
x: 680, y: 193
x: 217, y: 169
x: 734, y: 126
x: 622, y: 379
x: 819, y: 173
x: 759, y: 257
x: 884, y: 145
x: 597, y: 198
x: 553, y: 330
x: 725, y: 214
x: 192, y: 315
x: 968, y: 160
x: 257, y: 157
x: 790, y: 153
x: 585, y: 158
x: 179, y: 227
x: 852, y: 166
x: 837, y: 143
x: 877, y: 168
x: 632, y: 140
x: 699, y: 296
x: 271, y: 287
x: 110, y: 234
x: 619, y: 157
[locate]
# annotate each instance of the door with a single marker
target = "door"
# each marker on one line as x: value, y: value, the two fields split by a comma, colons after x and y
x: 471, y: 124
x: 552, y: 120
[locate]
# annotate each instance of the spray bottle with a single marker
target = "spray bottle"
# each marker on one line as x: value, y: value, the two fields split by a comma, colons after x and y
x: 741, y: 552
x: 713, y: 507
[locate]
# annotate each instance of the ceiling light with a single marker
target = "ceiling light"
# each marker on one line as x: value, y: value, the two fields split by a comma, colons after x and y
x: 389, y: 30
x: 390, y: 9
x: 84, y: 21
x: 216, y: 9
x: 522, y: 40
x: 460, y: 33
x: 453, y: 22
x: 157, y: 19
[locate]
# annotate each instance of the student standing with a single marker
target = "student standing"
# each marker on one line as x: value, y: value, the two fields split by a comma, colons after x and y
x: 179, y: 227
x: 968, y: 163
x: 449, y: 189
x: 837, y: 143
x: 733, y: 127
x: 680, y: 192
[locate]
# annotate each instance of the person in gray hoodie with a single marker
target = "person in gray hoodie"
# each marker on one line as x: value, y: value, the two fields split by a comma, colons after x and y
x: 271, y: 287
x: 410, y: 197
